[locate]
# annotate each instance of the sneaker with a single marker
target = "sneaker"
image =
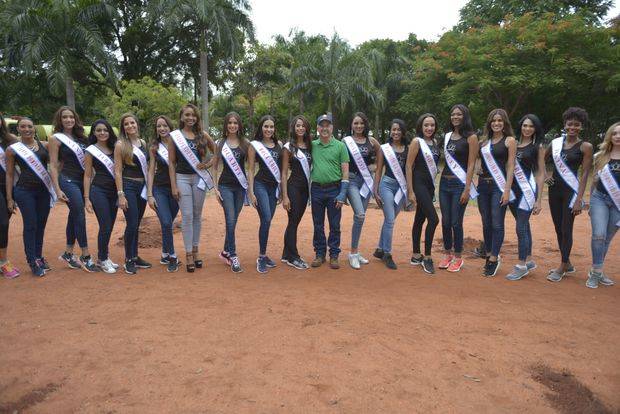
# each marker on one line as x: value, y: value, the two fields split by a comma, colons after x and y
x: 415, y: 261
x: 555, y: 275
x: 37, y: 270
x: 173, y: 264
x: 333, y: 262
x: 114, y: 265
x: 318, y: 261
x: 164, y: 260
x: 378, y: 253
x: 141, y: 263
x: 606, y: 281
x: 531, y: 265
x: 491, y: 268
x: 354, y: 260
x: 297, y: 264
x: 270, y: 263
x: 283, y: 259
x: 130, y: 267
x: 518, y: 272
x: 9, y: 271
x: 456, y: 264
x: 428, y: 266
x: 70, y: 259
x: 389, y: 262
x: 261, y: 265
x: 107, y: 266
x: 88, y: 264
x: 570, y: 269
x: 235, y: 264
x: 593, y: 279
x: 225, y: 257
x: 362, y: 259
x: 43, y: 263
x: 480, y: 250
x: 445, y: 262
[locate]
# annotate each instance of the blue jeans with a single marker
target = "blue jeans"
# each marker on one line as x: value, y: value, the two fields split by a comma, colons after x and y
x: 493, y: 215
x: 452, y: 213
x: 603, y: 215
x: 105, y: 204
x: 266, y: 205
x: 232, y: 202
x: 359, y: 205
x: 524, y: 232
x: 325, y: 199
x: 388, y: 187
x: 34, y: 205
x: 133, y: 216
x: 76, y: 222
x: 167, y: 210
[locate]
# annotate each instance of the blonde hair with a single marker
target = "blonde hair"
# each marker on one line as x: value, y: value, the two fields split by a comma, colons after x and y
x: 602, y: 156
x: 126, y: 146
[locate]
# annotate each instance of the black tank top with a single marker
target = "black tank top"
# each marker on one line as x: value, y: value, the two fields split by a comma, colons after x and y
x: 402, y: 160
x: 528, y: 158
x: 459, y: 149
x: 102, y: 178
x: 500, y: 153
x: 298, y: 176
x: 71, y: 167
x: 420, y: 169
x: 264, y: 174
x: 367, y: 150
x: 614, y: 166
x: 183, y: 166
x: 228, y: 177
x: 2, y: 172
x: 573, y: 157
x: 162, y: 175
x: 135, y: 170
x: 27, y: 177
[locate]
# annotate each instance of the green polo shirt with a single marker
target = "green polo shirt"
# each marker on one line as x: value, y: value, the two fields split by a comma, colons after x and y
x: 327, y: 160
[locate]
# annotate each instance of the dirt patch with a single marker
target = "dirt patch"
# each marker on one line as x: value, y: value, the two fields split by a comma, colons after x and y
x: 32, y: 398
x: 149, y: 233
x: 568, y: 396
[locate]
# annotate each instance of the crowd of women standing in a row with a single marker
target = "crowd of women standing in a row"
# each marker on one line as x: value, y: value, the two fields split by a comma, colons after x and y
x: 102, y: 172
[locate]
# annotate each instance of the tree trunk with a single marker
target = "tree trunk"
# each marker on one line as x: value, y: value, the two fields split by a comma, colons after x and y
x: 204, y: 80
x: 251, y: 114
x: 70, y: 92
x: 377, y: 125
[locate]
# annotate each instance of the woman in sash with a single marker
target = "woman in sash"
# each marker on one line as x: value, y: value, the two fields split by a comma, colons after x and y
x: 390, y: 189
x: 422, y: 162
x: 130, y: 174
x: 568, y: 153
x: 455, y: 186
x: 363, y: 152
x: 100, y: 189
x: 498, y: 150
x: 604, y: 204
x: 66, y: 149
x: 231, y: 185
x: 263, y: 188
x: 296, y: 158
x: 6, y: 138
x: 529, y: 173
x: 159, y: 190
x: 32, y: 193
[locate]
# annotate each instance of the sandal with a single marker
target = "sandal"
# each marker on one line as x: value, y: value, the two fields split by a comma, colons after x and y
x: 197, y: 262
x: 190, y: 266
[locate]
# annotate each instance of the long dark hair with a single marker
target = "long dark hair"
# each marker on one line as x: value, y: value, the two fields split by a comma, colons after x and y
x: 78, y: 127
x: 506, y: 130
x: 467, y: 127
x: 539, y: 133
x: 364, y: 119
x: 157, y: 139
x: 6, y: 138
x: 112, y: 138
x: 403, y: 129
x: 293, y: 136
x: 197, y: 128
x: 243, y: 143
x: 419, y: 127
x: 258, y: 133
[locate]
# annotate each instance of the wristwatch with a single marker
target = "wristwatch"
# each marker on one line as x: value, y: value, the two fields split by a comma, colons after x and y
x: 120, y: 193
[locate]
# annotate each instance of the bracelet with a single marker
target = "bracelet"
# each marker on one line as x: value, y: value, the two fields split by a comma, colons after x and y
x: 120, y: 193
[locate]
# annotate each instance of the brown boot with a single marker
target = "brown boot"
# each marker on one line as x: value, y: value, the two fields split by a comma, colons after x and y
x: 318, y: 261
x: 333, y: 262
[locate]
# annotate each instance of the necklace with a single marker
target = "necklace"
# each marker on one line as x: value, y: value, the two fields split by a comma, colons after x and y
x: 32, y: 147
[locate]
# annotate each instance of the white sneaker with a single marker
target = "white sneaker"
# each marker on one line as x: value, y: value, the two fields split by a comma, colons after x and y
x: 354, y: 260
x: 107, y: 266
x: 114, y: 265
x: 362, y: 259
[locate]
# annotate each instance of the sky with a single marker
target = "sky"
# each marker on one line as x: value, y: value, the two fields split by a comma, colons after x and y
x: 357, y: 20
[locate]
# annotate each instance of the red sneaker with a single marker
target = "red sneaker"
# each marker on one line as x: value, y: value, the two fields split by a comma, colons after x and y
x: 456, y: 264
x: 445, y: 262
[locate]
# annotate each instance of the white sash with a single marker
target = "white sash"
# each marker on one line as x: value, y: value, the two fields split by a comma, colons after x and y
x: 527, y: 186
x: 390, y: 157
x: 140, y: 155
x: 456, y: 168
x: 567, y: 175
x: 2, y: 159
x: 206, y: 181
x: 73, y: 146
x: 163, y: 152
x: 303, y: 160
x: 234, y: 166
x: 361, y: 166
x: 494, y: 169
x: 610, y: 184
x: 264, y: 153
x: 102, y: 157
x: 428, y: 157
x: 37, y: 167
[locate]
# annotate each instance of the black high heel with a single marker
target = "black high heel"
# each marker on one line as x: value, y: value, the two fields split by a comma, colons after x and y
x: 190, y: 266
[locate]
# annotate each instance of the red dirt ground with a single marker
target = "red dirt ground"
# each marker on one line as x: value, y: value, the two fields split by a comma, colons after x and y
x: 339, y: 341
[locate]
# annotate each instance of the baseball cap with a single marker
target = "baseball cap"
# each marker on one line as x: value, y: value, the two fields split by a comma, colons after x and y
x: 325, y: 117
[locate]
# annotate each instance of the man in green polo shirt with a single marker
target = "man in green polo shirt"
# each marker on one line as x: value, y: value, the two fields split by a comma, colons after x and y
x: 330, y: 180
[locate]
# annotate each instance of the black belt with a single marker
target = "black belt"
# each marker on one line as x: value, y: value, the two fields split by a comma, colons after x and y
x: 327, y: 185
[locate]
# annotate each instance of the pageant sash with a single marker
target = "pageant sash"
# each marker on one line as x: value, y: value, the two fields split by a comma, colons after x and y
x: 610, y: 184
x: 390, y: 157
x: 163, y: 152
x: 206, y: 182
x: 264, y: 153
x: 456, y: 168
x: 142, y: 159
x: 428, y: 157
x: 236, y: 169
x: 567, y: 175
x: 303, y: 160
x: 73, y: 146
x: 494, y: 169
x: 527, y: 186
x: 37, y: 167
x: 102, y: 157
x: 2, y: 159
x: 361, y: 166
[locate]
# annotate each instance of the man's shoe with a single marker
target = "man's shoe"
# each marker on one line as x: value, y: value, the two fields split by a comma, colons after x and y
x: 428, y: 266
x: 318, y: 261
x: 141, y: 263
x: 354, y: 260
x: 378, y: 253
x: 518, y: 273
x: 389, y: 262
x: 333, y: 262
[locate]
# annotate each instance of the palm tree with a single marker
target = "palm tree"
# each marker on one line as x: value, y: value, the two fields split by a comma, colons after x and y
x: 63, y: 38
x: 222, y: 25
